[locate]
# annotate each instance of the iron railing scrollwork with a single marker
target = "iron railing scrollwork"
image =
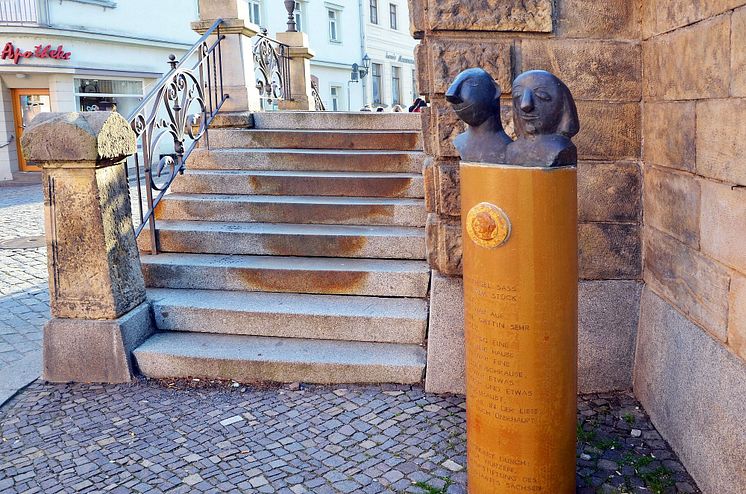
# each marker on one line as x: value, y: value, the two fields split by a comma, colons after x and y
x: 319, y: 104
x: 172, y: 118
x: 272, y: 67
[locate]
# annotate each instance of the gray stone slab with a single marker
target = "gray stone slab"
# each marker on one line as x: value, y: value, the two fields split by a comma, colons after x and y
x: 337, y: 120
x: 293, y: 209
x: 85, y: 350
x: 608, y: 312
x: 290, y: 239
x: 317, y: 139
x: 307, y: 159
x: 18, y: 375
x: 694, y: 389
x: 286, y: 182
x: 292, y: 315
x: 320, y: 275
x: 445, y: 338
x: 251, y: 359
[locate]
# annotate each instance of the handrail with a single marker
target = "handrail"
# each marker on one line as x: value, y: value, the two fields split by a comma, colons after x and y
x: 272, y: 67
x: 181, y: 105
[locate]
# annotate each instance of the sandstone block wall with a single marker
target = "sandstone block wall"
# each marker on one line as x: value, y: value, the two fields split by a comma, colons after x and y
x: 690, y: 361
x: 595, y: 48
x: 694, y: 153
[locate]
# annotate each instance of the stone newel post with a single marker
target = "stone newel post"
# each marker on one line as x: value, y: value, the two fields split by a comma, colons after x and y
x: 239, y: 80
x: 97, y: 293
x: 300, y: 72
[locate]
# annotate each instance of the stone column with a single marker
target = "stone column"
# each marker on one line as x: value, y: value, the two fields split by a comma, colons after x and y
x: 239, y: 80
x: 300, y: 72
x: 97, y: 293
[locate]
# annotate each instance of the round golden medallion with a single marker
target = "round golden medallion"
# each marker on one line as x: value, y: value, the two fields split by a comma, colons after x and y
x: 487, y: 225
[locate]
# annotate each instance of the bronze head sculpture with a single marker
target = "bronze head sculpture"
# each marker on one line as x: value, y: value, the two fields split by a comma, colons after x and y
x: 544, y: 116
x: 545, y: 120
x: 476, y: 100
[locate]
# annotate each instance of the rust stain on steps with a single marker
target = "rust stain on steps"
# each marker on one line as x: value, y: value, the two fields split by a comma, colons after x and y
x: 294, y: 245
x: 336, y: 282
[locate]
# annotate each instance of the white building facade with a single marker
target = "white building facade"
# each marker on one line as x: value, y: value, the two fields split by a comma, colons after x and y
x: 391, y: 78
x: 341, y: 33
x: 73, y: 55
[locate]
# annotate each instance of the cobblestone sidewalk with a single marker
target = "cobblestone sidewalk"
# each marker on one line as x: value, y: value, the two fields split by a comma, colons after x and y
x: 24, y: 299
x: 181, y: 437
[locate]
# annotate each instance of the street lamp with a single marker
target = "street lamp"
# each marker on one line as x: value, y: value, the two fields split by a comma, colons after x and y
x: 358, y: 72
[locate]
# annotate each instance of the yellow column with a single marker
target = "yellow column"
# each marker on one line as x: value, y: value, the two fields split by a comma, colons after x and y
x: 520, y: 296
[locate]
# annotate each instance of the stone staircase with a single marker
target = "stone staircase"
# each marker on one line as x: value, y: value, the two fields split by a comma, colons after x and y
x: 294, y: 251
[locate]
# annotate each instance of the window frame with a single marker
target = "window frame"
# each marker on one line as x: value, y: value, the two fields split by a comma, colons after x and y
x: 335, y: 97
x: 373, y: 11
x: 255, y: 4
x: 396, y: 98
x: 376, y: 75
x: 333, y: 21
x: 393, y: 16
x: 298, y: 15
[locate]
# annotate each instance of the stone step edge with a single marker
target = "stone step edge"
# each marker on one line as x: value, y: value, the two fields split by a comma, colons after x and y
x: 205, y: 355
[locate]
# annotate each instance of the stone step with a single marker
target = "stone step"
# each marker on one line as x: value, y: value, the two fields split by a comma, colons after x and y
x: 287, y: 239
x: 323, y: 275
x: 291, y: 315
x: 293, y: 209
x: 315, y: 120
x: 404, y: 140
x: 349, y: 184
x: 250, y: 359
x: 306, y: 159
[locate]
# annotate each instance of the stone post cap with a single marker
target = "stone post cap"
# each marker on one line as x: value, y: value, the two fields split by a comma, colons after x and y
x: 296, y: 39
x: 229, y: 26
x: 92, y: 136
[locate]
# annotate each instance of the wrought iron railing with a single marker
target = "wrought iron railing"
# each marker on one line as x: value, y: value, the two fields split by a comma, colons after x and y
x: 318, y: 103
x: 23, y: 12
x: 172, y: 118
x: 272, y: 67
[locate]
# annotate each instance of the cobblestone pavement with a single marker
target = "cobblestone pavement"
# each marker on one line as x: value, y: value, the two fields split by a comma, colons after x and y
x: 156, y: 436
x: 24, y: 299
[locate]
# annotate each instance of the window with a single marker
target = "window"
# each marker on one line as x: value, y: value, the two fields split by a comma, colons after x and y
x: 118, y: 95
x: 298, y: 16
x: 415, y: 94
x: 374, y: 11
x: 395, y: 85
x: 376, y: 77
x: 333, y: 25
x: 255, y: 9
x: 336, y: 91
x: 392, y: 15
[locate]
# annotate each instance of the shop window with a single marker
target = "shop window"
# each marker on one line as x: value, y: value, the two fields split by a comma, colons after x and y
x: 118, y: 95
x: 376, y: 70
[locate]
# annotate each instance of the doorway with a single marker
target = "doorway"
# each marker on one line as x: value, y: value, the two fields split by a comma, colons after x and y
x: 27, y: 103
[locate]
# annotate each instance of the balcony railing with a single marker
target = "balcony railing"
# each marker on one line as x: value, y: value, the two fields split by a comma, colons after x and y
x: 24, y: 12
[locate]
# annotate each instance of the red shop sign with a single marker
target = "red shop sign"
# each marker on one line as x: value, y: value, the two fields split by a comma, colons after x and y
x: 40, y: 51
